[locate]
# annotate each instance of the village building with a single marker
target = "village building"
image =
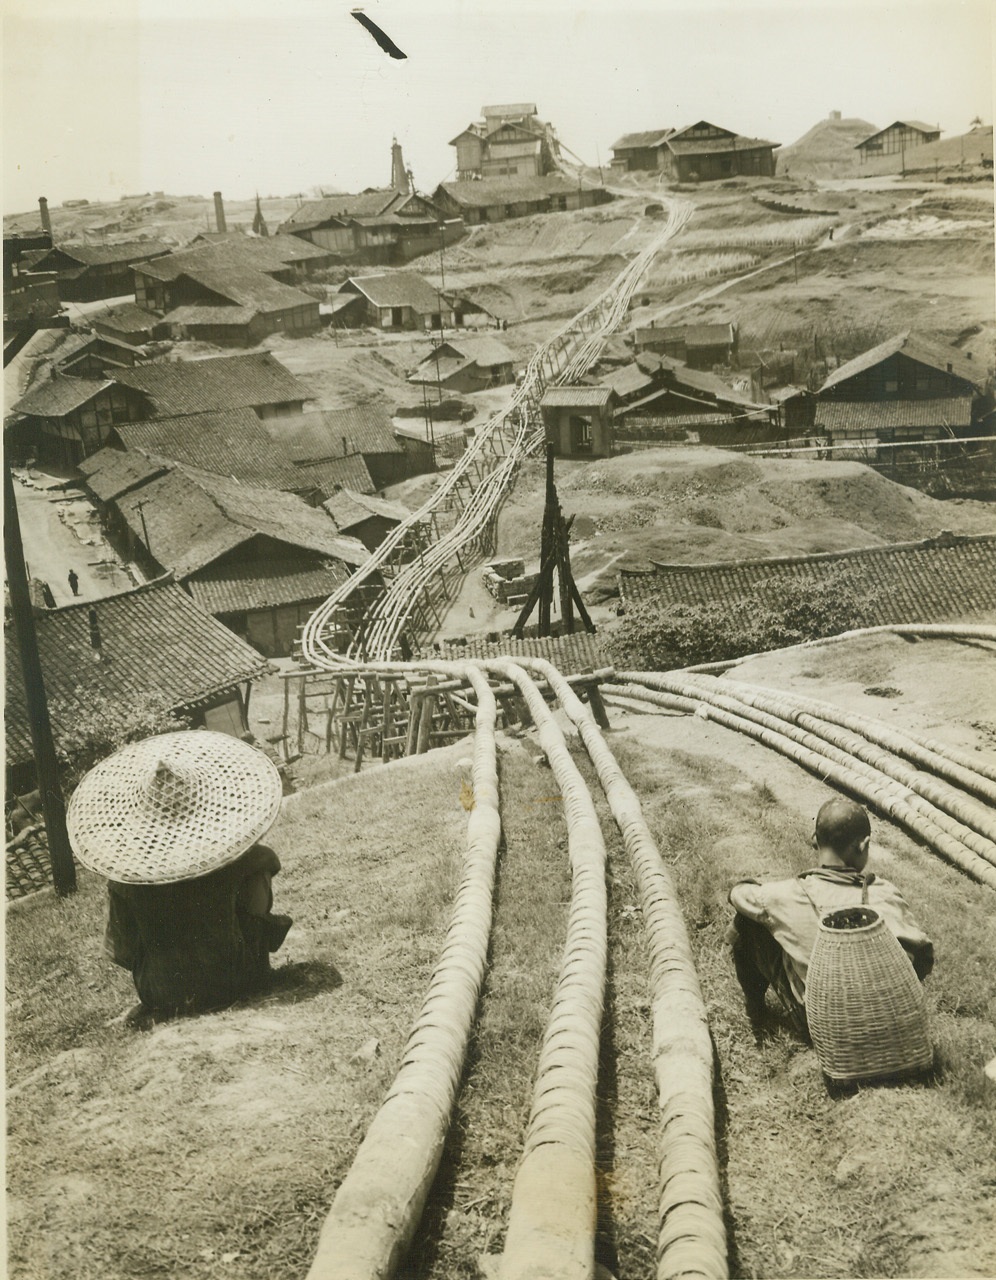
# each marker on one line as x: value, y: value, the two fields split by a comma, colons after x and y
x: 660, y: 399
x: 228, y: 442
x: 498, y: 199
x: 259, y: 560
x: 65, y: 419
x: 949, y: 578
x: 30, y: 298
x: 641, y: 151
x: 700, y: 346
x: 125, y: 321
x: 700, y: 152
x: 906, y: 388
x: 377, y: 228
x: 364, y: 516
x: 94, y: 355
x: 509, y: 141
x: 149, y: 644
x: 233, y: 290
x: 466, y: 365
x: 901, y: 135
x: 326, y: 478
x: 365, y: 432
x: 578, y: 421
x: 88, y: 272
x: 401, y: 300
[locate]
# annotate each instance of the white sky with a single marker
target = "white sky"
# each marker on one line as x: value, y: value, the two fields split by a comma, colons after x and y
x: 106, y: 97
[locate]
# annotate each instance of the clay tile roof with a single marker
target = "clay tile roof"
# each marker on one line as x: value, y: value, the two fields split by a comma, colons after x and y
x: 336, y: 433
x: 571, y: 654
x: 110, y: 472
x: 99, y: 255
x: 396, y: 289
x: 238, y: 588
x: 483, y: 192
x: 943, y: 579
x: 337, y: 473
x: 648, y: 138
x: 932, y: 354
x: 231, y: 442
x: 155, y: 642
x: 565, y: 397
x: 886, y: 415
x: 179, y: 387
x: 349, y: 508
x: 57, y: 396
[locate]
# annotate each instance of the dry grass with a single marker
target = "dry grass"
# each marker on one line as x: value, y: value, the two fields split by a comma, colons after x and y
x: 890, y: 1181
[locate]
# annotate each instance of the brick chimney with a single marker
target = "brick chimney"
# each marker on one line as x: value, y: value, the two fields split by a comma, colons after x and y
x: 219, y: 212
x: 46, y: 220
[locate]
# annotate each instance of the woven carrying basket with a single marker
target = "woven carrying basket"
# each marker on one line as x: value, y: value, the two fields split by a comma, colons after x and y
x: 864, y: 1003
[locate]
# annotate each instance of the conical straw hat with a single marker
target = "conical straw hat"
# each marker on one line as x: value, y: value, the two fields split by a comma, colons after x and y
x: 173, y: 807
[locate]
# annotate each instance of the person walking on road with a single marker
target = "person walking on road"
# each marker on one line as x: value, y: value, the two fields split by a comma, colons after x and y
x: 74, y: 582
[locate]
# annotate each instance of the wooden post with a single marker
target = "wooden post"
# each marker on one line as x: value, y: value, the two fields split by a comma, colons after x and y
x: 302, y: 716
x: 46, y: 766
x: 425, y: 720
x: 286, y: 719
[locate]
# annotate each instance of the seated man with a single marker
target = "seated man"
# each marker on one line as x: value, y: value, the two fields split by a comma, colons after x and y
x: 775, y: 926
x: 174, y: 823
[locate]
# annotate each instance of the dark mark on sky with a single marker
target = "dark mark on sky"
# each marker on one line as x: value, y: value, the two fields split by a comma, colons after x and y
x: 385, y: 41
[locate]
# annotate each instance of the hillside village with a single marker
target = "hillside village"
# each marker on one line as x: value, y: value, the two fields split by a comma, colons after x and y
x: 272, y: 455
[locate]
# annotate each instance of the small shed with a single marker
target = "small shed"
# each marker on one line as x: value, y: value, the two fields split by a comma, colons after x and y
x: 578, y: 421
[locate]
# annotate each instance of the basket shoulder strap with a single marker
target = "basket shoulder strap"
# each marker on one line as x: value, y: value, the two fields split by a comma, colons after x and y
x: 820, y: 910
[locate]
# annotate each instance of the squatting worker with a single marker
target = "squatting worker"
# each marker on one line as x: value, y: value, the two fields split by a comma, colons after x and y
x: 776, y: 924
x: 174, y: 822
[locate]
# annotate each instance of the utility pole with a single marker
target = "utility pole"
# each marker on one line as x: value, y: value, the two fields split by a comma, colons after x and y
x: 52, y: 804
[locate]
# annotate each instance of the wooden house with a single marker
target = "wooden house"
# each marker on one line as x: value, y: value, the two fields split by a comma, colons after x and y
x: 88, y: 272
x: 127, y: 322
x: 466, y: 365
x: 703, y: 152
x: 151, y: 642
x: 378, y: 228
x: 364, y: 516
x: 401, y: 300
x: 700, y: 346
x: 641, y: 151
x: 259, y: 560
x: 498, y: 199
x: 509, y: 141
x: 578, y: 421
x: 900, y: 136
x: 906, y: 388
x: 61, y: 420
x: 256, y: 381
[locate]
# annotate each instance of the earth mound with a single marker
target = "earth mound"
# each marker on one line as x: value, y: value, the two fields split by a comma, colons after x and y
x: 826, y: 150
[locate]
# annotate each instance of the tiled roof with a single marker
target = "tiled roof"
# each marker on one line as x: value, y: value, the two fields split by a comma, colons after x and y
x: 194, y: 315
x: 234, y: 588
x: 483, y: 192
x: 628, y: 381
x: 675, y: 375
x: 571, y: 654
x: 101, y: 255
x: 709, y: 146
x: 338, y: 473
x: 111, y: 472
x: 349, y: 508
x: 565, y: 397
x: 945, y: 579
x: 55, y: 397
x: 371, y: 207
x: 484, y: 351
x: 179, y: 387
x: 932, y: 354
x: 272, y: 250
x: 901, y: 124
x: 396, y: 289
x: 432, y: 370
x: 885, y: 415
x: 232, y: 442
x: 648, y: 138
x: 693, y: 335
x: 249, y: 287
x: 336, y: 433
x: 156, y: 642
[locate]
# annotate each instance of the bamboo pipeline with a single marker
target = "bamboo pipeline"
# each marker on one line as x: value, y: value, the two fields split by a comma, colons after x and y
x: 884, y: 795
x: 380, y: 1201
x: 691, y: 1230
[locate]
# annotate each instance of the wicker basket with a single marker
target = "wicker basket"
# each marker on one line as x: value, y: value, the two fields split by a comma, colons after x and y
x: 864, y: 1003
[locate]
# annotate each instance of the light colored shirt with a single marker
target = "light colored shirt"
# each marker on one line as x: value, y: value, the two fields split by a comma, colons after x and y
x: 792, y: 915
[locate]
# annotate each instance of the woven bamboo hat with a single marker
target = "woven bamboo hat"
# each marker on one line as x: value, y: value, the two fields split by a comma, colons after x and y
x: 173, y: 807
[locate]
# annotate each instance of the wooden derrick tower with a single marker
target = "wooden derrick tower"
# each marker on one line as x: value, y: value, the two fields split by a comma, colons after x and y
x: 555, y: 560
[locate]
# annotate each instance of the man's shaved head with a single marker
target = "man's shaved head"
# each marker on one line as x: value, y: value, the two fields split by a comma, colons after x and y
x: 840, y: 825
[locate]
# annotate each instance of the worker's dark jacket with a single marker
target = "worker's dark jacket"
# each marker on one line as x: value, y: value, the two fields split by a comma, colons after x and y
x: 197, y: 944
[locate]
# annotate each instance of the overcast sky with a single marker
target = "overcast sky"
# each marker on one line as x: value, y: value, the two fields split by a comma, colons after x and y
x: 107, y: 97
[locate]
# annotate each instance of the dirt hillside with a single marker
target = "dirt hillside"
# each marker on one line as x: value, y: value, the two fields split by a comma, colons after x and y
x: 826, y: 150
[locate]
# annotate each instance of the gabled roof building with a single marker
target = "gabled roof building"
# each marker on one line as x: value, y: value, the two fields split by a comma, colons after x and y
x: 88, y: 272
x: 401, y: 300
x: 152, y: 642
x: 700, y: 152
x: 496, y: 199
x: 901, y: 135
x: 509, y: 141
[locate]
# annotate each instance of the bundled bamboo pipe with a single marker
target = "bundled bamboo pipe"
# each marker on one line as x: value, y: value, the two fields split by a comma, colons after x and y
x: 551, y: 1228
x: 692, y: 1235
x: 380, y: 1201
x: 882, y: 793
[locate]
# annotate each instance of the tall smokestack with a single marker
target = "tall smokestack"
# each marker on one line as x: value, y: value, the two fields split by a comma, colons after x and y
x: 399, y: 174
x: 46, y: 221
x: 219, y: 212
